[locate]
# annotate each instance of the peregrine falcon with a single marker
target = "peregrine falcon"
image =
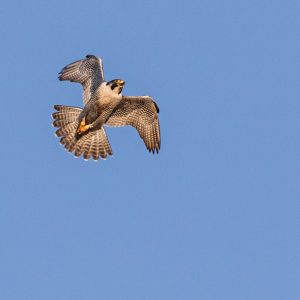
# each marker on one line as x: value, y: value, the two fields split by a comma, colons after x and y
x: 82, y: 129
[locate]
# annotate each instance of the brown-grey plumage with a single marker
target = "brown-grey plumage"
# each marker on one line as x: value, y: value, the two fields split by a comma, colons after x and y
x: 92, y: 144
x: 82, y: 130
x: 141, y: 112
x: 88, y: 72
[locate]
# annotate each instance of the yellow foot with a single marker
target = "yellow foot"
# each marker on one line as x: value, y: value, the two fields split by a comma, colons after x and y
x: 82, y: 127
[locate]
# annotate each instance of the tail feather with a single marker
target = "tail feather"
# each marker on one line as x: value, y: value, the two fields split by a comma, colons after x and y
x: 103, y: 144
x: 66, y: 120
x: 61, y: 123
x: 71, y: 144
x: 101, y: 147
x: 63, y: 108
x: 80, y: 145
x: 66, y: 129
x: 66, y: 116
x: 86, y: 149
x: 91, y: 144
x: 97, y: 153
x: 94, y: 146
x: 66, y: 140
x: 106, y: 144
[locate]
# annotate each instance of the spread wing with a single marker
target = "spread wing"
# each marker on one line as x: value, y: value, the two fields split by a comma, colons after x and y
x: 88, y: 72
x: 140, y: 112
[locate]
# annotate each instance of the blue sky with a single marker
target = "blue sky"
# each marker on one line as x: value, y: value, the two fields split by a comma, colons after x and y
x: 215, y: 215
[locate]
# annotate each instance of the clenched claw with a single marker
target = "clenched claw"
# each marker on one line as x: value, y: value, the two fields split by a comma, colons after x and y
x: 82, y: 128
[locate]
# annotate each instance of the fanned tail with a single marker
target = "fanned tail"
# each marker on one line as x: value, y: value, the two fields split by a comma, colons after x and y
x: 93, y: 143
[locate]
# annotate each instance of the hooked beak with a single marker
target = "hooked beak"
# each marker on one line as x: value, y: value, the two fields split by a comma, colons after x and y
x: 121, y: 83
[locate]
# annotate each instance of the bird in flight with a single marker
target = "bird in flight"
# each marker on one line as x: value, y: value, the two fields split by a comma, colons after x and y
x: 82, y: 129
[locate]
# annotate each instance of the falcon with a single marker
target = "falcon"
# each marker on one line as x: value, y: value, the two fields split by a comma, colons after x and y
x: 82, y: 130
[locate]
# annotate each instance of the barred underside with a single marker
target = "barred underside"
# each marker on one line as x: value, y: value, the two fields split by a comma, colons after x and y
x: 91, y: 144
x: 141, y: 112
x: 88, y: 72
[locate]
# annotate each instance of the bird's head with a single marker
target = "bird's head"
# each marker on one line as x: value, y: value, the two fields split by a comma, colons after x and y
x: 116, y: 85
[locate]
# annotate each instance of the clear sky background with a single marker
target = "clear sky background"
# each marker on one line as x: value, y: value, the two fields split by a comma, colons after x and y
x: 215, y: 215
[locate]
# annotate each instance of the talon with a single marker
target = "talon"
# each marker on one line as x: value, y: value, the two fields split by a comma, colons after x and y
x: 83, y: 127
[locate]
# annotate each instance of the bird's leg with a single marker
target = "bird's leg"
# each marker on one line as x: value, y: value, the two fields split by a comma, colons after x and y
x: 83, y: 127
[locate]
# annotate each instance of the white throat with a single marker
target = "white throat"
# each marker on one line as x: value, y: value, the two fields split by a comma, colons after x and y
x: 106, y: 94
